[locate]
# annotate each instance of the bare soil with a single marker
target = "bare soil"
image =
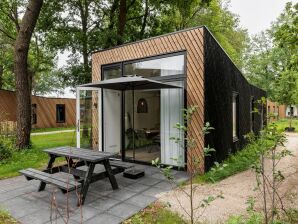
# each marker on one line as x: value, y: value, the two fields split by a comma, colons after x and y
x: 237, y: 189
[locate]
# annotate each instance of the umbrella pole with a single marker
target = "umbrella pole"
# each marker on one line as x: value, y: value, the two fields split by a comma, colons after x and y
x: 133, y: 123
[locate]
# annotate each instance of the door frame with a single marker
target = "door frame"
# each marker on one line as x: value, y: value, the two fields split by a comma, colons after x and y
x: 78, y: 114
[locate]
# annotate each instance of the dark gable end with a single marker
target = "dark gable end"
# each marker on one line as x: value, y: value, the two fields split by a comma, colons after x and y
x: 222, y: 79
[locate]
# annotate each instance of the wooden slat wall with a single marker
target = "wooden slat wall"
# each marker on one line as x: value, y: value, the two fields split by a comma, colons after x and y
x: 190, y: 41
x: 46, y: 110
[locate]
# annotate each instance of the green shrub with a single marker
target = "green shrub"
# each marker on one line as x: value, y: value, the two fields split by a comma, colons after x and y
x: 6, y: 148
x: 253, y: 218
x: 238, y: 162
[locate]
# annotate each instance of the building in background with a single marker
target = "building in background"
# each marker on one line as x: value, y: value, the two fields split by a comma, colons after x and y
x: 46, y: 112
x: 276, y: 110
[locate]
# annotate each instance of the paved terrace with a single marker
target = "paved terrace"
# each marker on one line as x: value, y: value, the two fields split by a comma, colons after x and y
x: 102, y: 205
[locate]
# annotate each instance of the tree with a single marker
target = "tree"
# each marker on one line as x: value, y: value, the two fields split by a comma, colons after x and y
x: 23, y: 76
x: 272, y: 62
x: 287, y: 90
x: 41, y: 61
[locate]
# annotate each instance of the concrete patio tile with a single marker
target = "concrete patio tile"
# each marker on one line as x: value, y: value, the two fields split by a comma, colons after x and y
x: 104, y: 203
x: 86, y: 213
x: 137, y: 187
x: 38, y: 217
x: 141, y: 200
x: 63, y: 221
x: 15, y: 193
x: 159, y: 176
x: 19, y: 207
x: 121, y: 194
x: 104, y: 218
x: 148, y: 181
x: 165, y: 185
x: 153, y: 191
x: 64, y: 200
x: 124, y: 210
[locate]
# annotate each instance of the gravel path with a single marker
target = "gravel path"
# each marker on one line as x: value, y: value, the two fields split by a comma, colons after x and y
x: 237, y: 189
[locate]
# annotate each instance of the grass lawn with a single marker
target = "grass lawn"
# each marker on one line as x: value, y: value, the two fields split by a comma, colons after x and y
x: 5, y: 218
x: 38, y: 130
x: 35, y: 157
x: 156, y: 213
x: 283, y: 123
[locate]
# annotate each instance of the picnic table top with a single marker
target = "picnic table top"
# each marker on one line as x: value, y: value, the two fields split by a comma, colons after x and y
x: 79, y: 153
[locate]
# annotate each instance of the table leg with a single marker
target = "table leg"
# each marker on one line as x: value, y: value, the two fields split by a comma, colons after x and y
x: 86, y: 183
x: 110, y: 174
x: 42, y: 185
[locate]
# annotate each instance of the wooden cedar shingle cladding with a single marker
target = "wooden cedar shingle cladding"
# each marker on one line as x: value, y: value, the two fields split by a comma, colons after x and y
x: 190, y: 41
x: 46, y: 109
x: 222, y: 78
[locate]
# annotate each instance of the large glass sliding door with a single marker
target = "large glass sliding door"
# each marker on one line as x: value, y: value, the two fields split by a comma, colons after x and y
x: 144, y: 135
x: 149, y: 137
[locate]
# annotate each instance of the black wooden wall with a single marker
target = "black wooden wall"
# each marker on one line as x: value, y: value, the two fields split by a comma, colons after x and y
x: 222, y: 78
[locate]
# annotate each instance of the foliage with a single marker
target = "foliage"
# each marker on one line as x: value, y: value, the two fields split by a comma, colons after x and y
x: 156, y: 213
x: 194, y: 164
x: 35, y: 157
x: 41, y: 61
x: 283, y: 123
x: 272, y: 60
x: 5, y: 218
x: 253, y: 218
x: 235, y: 163
x: 80, y: 28
x: 257, y: 218
x: 270, y: 179
x: 6, y: 148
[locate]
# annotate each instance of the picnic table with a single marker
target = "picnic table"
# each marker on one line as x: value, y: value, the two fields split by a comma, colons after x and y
x: 77, y: 158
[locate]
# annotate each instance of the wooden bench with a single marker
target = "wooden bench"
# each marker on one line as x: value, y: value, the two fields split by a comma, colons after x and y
x: 62, y: 183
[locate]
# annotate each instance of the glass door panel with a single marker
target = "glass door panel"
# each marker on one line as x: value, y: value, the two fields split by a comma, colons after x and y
x: 87, y: 118
x: 142, y: 125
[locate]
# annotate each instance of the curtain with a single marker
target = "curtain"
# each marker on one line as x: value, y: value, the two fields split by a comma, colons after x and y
x: 172, y: 103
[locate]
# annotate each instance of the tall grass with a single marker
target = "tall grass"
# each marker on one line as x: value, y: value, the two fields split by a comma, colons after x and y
x: 240, y: 161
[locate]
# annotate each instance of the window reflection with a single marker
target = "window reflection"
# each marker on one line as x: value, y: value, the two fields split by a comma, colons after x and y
x: 173, y: 65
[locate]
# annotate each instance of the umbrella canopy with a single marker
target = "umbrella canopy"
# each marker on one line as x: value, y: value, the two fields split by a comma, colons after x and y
x: 130, y: 83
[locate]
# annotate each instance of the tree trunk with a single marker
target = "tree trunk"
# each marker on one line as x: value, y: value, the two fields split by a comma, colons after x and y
x: 23, y: 77
x: 1, y: 76
x: 144, y: 23
x: 122, y: 21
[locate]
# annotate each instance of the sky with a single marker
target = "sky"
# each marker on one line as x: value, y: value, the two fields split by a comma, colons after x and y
x: 255, y: 16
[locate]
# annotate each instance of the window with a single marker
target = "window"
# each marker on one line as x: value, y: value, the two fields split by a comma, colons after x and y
x: 60, y: 113
x: 268, y: 109
x: 292, y: 111
x: 111, y: 72
x: 235, y: 116
x: 33, y: 114
x: 252, y: 114
x: 166, y: 66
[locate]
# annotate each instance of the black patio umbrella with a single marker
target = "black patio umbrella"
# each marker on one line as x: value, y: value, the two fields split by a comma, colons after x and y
x: 131, y: 83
